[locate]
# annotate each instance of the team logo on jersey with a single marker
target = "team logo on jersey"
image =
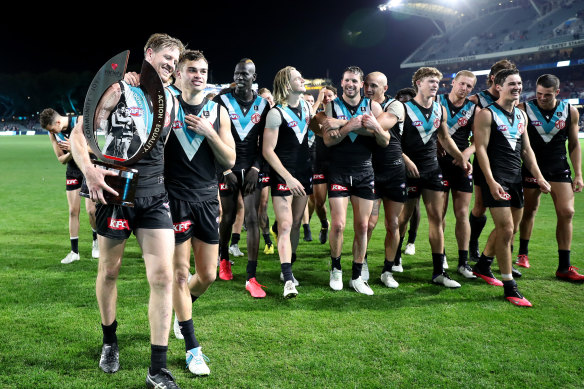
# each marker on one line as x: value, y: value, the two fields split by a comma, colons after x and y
x: 255, y: 118
x: 437, y: 122
x: 234, y: 116
x: 283, y: 187
x: 293, y: 124
x: 536, y: 123
x: 338, y: 188
x: 135, y: 111
x: 502, y: 128
x: 463, y: 121
x: 117, y: 224
x: 520, y: 128
x: 206, y: 114
x: 72, y: 181
x: 256, y: 108
x: 177, y: 124
x: 560, y: 124
x: 417, y: 123
x: 342, y: 117
x: 182, y: 226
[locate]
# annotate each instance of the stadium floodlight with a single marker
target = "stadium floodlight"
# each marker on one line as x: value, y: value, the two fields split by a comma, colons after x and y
x: 561, y: 64
x: 389, y: 4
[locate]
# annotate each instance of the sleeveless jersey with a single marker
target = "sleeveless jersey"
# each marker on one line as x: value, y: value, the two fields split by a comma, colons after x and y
x: 72, y: 167
x: 130, y: 125
x: 353, y: 154
x: 248, y: 120
x: 292, y: 146
x: 548, y: 132
x: 485, y: 98
x: 189, y: 162
x: 420, y: 135
x: 387, y: 160
x: 504, y: 149
x: 459, y: 121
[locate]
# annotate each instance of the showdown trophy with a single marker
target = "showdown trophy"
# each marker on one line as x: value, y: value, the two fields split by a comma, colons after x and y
x: 125, y: 142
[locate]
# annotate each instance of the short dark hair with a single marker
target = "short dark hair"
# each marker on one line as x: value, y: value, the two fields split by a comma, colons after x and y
x: 502, y: 75
x: 405, y: 92
x: 191, y: 55
x: 548, y: 81
x: 355, y: 70
x: 47, y: 117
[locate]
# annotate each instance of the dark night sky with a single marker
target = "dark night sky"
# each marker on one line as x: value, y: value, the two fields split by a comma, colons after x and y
x: 313, y: 36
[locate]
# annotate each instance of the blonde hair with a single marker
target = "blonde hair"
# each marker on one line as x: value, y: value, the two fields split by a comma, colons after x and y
x: 424, y: 72
x: 282, y: 85
x: 160, y: 41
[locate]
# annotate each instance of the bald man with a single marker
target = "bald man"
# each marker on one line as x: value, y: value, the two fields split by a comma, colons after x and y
x: 390, y: 176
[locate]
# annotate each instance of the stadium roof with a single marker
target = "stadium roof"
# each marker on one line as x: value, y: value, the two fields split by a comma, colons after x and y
x: 447, y: 13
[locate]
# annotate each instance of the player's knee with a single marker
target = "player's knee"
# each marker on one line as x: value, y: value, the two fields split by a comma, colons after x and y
x: 337, y: 226
x: 207, y: 277
x: 160, y: 278
x: 565, y: 213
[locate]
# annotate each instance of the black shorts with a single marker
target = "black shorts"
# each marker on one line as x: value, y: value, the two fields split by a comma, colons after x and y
x: 528, y: 181
x: 477, y: 174
x: 264, y: 180
x: 118, y: 222
x: 431, y: 181
x: 455, y: 177
x: 195, y: 219
x: 343, y: 185
x: 225, y: 190
x: 73, y: 181
x: 279, y: 187
x: 514, y: 189
x: 391, y: 190
x: 319, y: 178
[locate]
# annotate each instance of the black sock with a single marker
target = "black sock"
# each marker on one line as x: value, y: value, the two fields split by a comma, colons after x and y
x: 476, y: 227
x: 267, y: 239
x: 109, y: 333
x: 336, y: 263
x: 397, y: 258
x: 235, y: 238
x: 157, y: 358
x: 94, y: 234
x: 484, y: 262
x: 224, y: 253
x: 324, y: 224
x: 75, y: 245
x: 437, y: 263
x: 564, y: 263
x: 462, y: 257
x: 523, y: 246
x: 306, y: 227
x: 286, y: 271
x: 357, y: 267
x: 251, y: 269
x: 509, y: 287
x: 412, y: 236
x: 387, y: 266
x: 187, y: 329
x: 275, y: 227
x: 293, y: 258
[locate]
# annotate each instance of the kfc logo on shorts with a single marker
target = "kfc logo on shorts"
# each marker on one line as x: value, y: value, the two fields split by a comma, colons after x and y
x: 412, y: 189
x: 234, y: 116
x: 338, y: 188
x: 318, y: 176
x: 462, y: 122
x: 265, y: 180
x: 182, y: 226
x: 445, y: 183
x: 255, y: 118
x: 283, y: 187
x: 560, y: 124
x: 223, y: 186
x: 531, y: 180
x: 117, y: 224
x: 72, y: 181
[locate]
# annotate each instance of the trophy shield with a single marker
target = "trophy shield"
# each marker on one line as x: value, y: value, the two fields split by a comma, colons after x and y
x: 126, y: 140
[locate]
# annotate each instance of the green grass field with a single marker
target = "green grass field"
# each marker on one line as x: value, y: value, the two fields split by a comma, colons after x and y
x: 418, y: 335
